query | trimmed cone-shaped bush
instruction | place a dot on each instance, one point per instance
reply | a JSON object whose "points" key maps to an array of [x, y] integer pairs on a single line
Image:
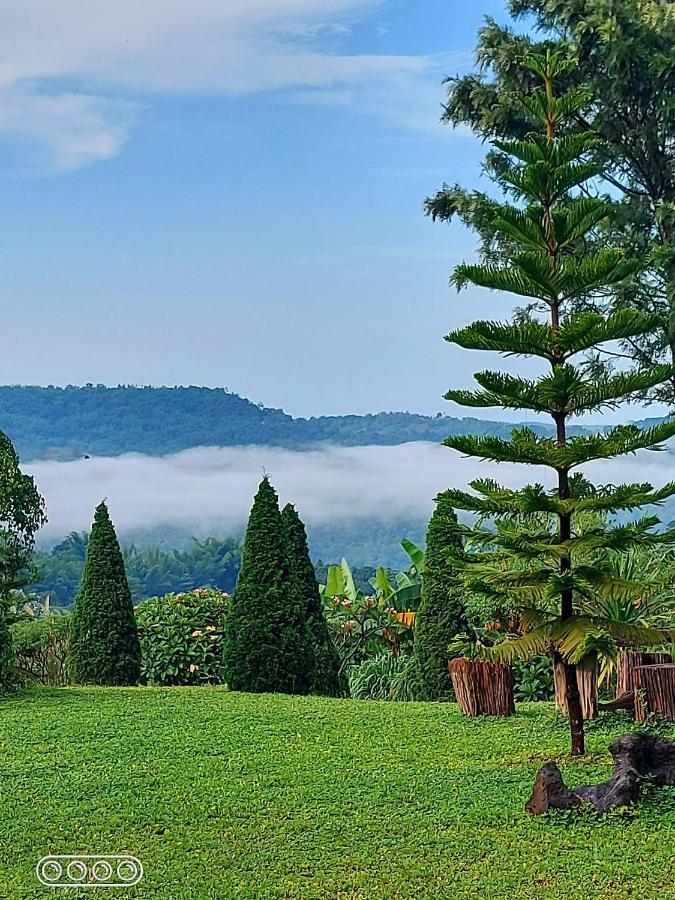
{"points": [[326, 678], [104, 646], [441, 614], [268, 647]]}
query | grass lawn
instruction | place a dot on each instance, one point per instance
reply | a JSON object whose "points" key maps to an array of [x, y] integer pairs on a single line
{"points": [[227, 795]]}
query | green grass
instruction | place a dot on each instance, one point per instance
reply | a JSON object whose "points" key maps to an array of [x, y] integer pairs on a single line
{"points": [[226, 795]]}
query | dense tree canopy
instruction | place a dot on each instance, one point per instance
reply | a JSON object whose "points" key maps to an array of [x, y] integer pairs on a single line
{"points": [[152, 571], [72, 422], [22, 513], [155, 570], [326, 679]]}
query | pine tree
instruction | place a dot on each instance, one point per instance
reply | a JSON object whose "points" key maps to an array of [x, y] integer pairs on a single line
{"points": [[631, 76], [554, 264], [441, 615], [326, 679], [268, 646], [104, 646]]}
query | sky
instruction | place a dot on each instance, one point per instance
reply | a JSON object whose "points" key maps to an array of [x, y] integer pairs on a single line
{"points": [[229, 193]]}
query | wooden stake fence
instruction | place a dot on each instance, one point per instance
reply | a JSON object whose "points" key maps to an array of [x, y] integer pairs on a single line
{"points": [[654, 691], [482, 688], [627, 661]]}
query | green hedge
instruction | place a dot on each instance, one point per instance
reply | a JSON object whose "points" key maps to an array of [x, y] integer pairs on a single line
{"points": [[181, 638]]}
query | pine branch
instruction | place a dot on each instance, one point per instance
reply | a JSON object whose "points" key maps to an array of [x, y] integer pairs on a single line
{"points": [[607, 393], [623, 497], [493, 500], [529, 275], [498, 278], [536, 149], [580, 332], [596, 270], [527, 448], [584, 330], [530, 500], [528, 338]]}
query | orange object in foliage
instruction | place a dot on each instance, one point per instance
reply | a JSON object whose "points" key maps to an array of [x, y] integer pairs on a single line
{"points": [[407, 618]]}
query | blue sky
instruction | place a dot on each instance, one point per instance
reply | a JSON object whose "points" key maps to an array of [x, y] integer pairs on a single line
{"points": [[229, 193]]}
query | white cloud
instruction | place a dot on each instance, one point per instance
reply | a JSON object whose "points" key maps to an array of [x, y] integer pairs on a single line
{"points": [[107, 51], [73, 129], [209, 489], [409, 94]]}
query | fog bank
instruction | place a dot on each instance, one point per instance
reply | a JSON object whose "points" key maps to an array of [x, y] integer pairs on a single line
{"points": [[210, 488]]}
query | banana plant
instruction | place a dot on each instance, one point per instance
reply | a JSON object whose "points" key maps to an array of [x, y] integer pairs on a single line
{"points": [[405, 593], [416, 555], [340, 583], [361, 626]]}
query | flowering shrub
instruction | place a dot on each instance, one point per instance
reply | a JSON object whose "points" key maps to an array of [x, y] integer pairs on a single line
{"points": [[181, 637]]}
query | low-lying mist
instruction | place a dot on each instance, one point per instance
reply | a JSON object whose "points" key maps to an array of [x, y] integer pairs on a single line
{"points": [[209, 489]]}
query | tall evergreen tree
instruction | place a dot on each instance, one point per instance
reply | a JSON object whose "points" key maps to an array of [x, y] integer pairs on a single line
{"points": [[441, 615], [268, 647], [623, 54], [104, 646], [554, 264], [326, 678]]}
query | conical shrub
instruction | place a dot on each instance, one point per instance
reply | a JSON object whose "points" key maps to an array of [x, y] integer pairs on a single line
{"points": [[268, 647], [326, 679], [441, 614], [104, 646]]}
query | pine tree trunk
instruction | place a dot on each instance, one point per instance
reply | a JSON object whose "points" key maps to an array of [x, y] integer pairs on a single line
{"points": [[654, 691], [626, 662], [568, 699], [570, 678], [574, 710], [482, 688], [587, 685]]}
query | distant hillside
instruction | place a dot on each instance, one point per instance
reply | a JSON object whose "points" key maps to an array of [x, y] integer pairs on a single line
{"points": [[67, 423]]}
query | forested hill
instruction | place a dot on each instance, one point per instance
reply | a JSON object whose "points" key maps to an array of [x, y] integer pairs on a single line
{"points": [[70, 422]]}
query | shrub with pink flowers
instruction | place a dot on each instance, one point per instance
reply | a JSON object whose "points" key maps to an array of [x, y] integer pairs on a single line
{"points": [[181, 637]]}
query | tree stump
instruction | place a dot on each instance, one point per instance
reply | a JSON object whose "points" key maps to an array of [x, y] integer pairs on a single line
{"points": [[482, 688], [587, 680], [654, 691], [636, 757], [626, 662]]}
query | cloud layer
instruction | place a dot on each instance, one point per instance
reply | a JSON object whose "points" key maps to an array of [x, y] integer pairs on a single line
{"points": [[210, 489], [72, 71]]}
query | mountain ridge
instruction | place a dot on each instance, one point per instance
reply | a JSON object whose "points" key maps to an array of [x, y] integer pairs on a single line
{"points": [[66, 423]]}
